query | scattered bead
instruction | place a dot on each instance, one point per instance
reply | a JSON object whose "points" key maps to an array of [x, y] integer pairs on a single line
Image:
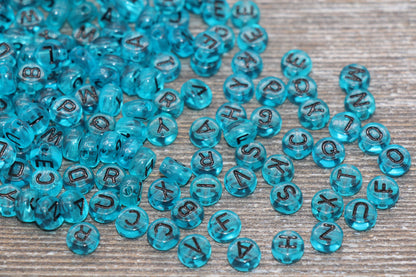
{"points": [[8, 196], [229, 113], [244, 254], [383, 192], [297, 143], [238, 88], [328, 153], [240, 132], [286, 198], [247, 62], [175, 171], [271, 91], [142, 164], [48, 214], [354, 76], [168, 64], [240, 181], [207, 161], [361, 103], [25, 204], [187, 213], [253, 37], [215, 12], [206, 189], [131, 191], [109, 177], [394, 160], [162, 130], [224, 226], [327, 205], [169, 101], [194, 251], [287, 247], [163, 234], [78, 177], [313, 114], [277, 169], [245, 13], [132, 222], [252, 155], [296, 63], [18, 174], [66, 111], [360, 215], [7, 153], [83, 238], [104, 206], [73, 206], [346, 180], [267, 120], [326, 237], [373, 138], [226, 34], [163, 194], [205, 132], [196, 94], [345, 127], [47, 181]]}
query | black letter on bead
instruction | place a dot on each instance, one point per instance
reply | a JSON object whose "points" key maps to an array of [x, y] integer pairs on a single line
{"points": [[222, 223], [113, 176], [72, 106], [287, 238], [197, 248], [257, 149], [162, 126], [247, 59], [169, 98], [6, 50], [354, 211], [156, 229], [241, 138], [98, 121], [392, 159], [107, 15], [84, 174], [383, 188], [164, 190], [19, 172], [40, 163], [312, 108], [81, 33], [327, 201], [291, 142], [254, 37], [352, 76], [106, 207], [287, 190], [84, 234], [204, 159], [50, 53], [148, 168], [297, 88], [265, 113], [370, 135], [295, 61], [205, 128], [350, 121], [205, 185], [31, 72], [202, 89], [170, 60], [84, 93], [10, 136], [237, 176], [331, 228], [230, 115], [9, 195], [136, 220], [80, 204], [3, 105], [209, 39], [277, 165], [334, 149], [187, 208], [50, 181], [340, 174], [241, 247], [3, 147], [55, 209], [360, 96], [270, 85], [237, 83]]}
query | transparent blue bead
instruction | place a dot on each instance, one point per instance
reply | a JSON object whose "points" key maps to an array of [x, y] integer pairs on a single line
{"points": [[170, 6], [182, 42], [205, 132], [226, 34], [78, 177], [208, 47], [296, 63], [229, 113], [18, 174], [346, 180], [45, 155], [70, 142], [150, 82], [18, 132], [47, 181], [73, 206], [37, 117], [158, 35], [127, 152], [8, 83], [83, 238], [194, 251], [168, 64], [109, 14], [116, 30], [86, 33], [247, 62], [8, 196], [48, 213], [175, 171], [297, 143], [129, 10], [142, 163], [31, 77], [328, 153], [7, 54], [100, 123], [277, 169], [47, 96], [110, 100], [245, 13], [373, 138], [187, 213], [7, 153], [17, 37], [129, 127], [194, 6], [6, 105], [244, 254], [206, 189], [83, 57], [25, 205], [7, 17], [240, 132], [140, 109], [132, 222], [360, 214], [169, 101], [104, 206], [51, 54], [301, 89], [361, 103], [66, 111], [130, 191], [286, 198], [253, 37], [88, 150], [271, 91], [327, 205], [49, 33], [224, 226], [109, 146], [267, 120], [394, 161], [30, 19], [288, 247], [215, 12], [252, 155], [58, 14], [162, 130], [205, 69], [313, 114], [240, 181], [207, 161], [354, 76], [196, 94], [129, 78], [136, 46], [82, 13], [147, 18], [238, 88], [326, 237], [163, 234], [383, 192], [109, 177], [98, 48], [345, 127], [71, 78], [163, 194]]}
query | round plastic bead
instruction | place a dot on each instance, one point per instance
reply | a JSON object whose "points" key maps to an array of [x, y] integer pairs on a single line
{"points": [[8, 196], [346, 180], [361, 103], [47, 213], [240, 181], [47, 181], [187, 213], [271, 91], [142, 163], [37, 117], [215, 12], [140, 109], [240, 132], [150, 81], [46, 155], [182, 42], [131, 191], [168, 64], [301, 89], [7, 153], [267, 120], [25, 205], [206, 189], [345, 127], [286, 198], [196, 94], [288, 247], [135, 46], [224, 226], [354, 76], [132, 222], [78, 177], [110, 100], [109, 146], [252, 155], [73, 206], [194, 251], [207, 161], [109, 177], [208, 47], [373, 138], [163, 234], [163, 194], [253, 37], [66, 111], [244, 254], [162, 130], [88, 150], [327, 205], [326, 237], [247, 62], [18, 174], [104, 206], [277, 169], [175, 171], [205, 132], [394, 161], [229, 113], [238, 88], [360, 215], [296, 63], [100, 123], [83, 238], [18, 132], [51, 54], [129, 127], [383, 192], [297, 143], [226, 34], [177, 20], [245, 13], [169, 101], [313, 114], [328, 153]]}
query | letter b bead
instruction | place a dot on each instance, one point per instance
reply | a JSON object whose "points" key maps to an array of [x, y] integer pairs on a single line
{"points": [[187, 213]]}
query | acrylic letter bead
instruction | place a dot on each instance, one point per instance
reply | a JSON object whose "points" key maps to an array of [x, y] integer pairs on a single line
{"points": [[313, 114], [142, 163], [162, 130], [297, 143], [79, 177], [301, 89], [175, 171], [286, 198], [182, 42], [296, 63], [252, 155], [130, 191], [328, 153], [140, 109], [48, 214], [168, 64], [47, 181], [240, 181], [150, 82], [215, 12], [194, 251], [208, 47], [7, 153], [360, 215], [244, 254], [163, 234], [8, 196], [267, 120], [46, 155], [238, 88], [132, 222], [169, 101], [394, 161], [18, 174], [229, 113], [224, 226], [326, 237], [163, 194], [135, 46], [104, 206], [100, 123], [196, 94], [373, 138], [205, 69], [66, 111], [83, 238], [18, 132], [278, 168], [205, 132], [245, 13], [253, 37], [361, 103], [247, 62], [37, 117], [207, 161], [88, 150], [287, 247], [327, 205], [354, 76], [383, 192], [345, 127], [109, 177], [240, 132], [346, 180], [206, 189], [87, 95], [110, 100], [187, 213], [226, 34], [25, 205], [73, 206], [109, 146], [271, 91]]}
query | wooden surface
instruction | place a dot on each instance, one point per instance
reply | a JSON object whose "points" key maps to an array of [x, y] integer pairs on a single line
{"points": [[380, 34]]}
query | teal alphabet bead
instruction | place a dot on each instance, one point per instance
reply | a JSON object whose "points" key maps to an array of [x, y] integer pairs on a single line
{"points": [[360, 215], [187, 213], [6, 104], [129, 77], [129, 127], [267, 120], [277, 169], [158, 35], [215, 12], [131, 191], [18, 132], [244, 254], [345, 127], [327, 205], [383, 192], [346, 180], [48, 215], [89, 150], [194, 251], [84, 12], [205, 132], [196, 94], [206, 189], [361, 103], [238, 88], [163, 234], [104, 206], [208, 47], [224, 226], [47, 181], [100, 123], [328, 153], [354, 76], [66, 111], [313, 114], [163, 194], [229, 113], [226, 34], [46, 155], [207, 161], [127, 152], [7, 153], [373, 138], [194, 6], [109, 177], [37, 117], [162, 130], [73, 206], [182, 42], [141, 109], [175, 171], [252, 155], [240, 181], [135, 46], [326, 237], [177, 20], [8, 17], [245, 13], [130, 11], [143, 163], [169, 7], [71, 77], [150, 82], [51, 54], [169, 101], [8, 196], [110, 100], [132, 222], [296, 63], [205, 69], [253, 37], [271, 91], [286, 198], [240, 132], [79, 177], [394, 160], [25, 204], [29, 18], [247, 62], [168, 64], [297, 143], [109, 146], [8, 83], [83, 238], [287, 247]]}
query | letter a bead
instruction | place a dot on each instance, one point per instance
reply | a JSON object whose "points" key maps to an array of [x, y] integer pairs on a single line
{"points": [[244, 254], [194, 251], [360, 215], [187, 213], [224, 226], [288, 247], [328, 153], [163, 234], [83, 238], [373, 138], [326, 237], [394, 161]]}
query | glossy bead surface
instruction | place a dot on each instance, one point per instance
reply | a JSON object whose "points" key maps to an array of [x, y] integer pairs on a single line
{"points": [[240, 181], [175, 171], [168, 64], [135, 46], [73, 206], [109, 177], [361, 103], [66, 111], [354, 76], [25, 204], [47, 181], [78, 177], [297, 143], [313, 114], [238, 88], [244, 254], [151, 81], [7, 153], [215, 12], [169, 101], [245, 13], [100, 123], [162, 130], [326, 237], [226, 34], [360, 215], [296, 63], [345, 127], [205, 132], [229, 113], [18, 174], [45, 155], [163, 234], [286, 198], [164, 61], [140, 109], [129, 127], [207, 161], [301, 89], [88, 150], [287, 247], [224, 226], [240, 132], [187, 213], [47, 213], [383, 192], [110, 99], [83, 238], [373, 138], [127, 152], [132, 222], [328, 153], [194, 251], [206, 189], [196, 94], [394, 161], [208, 47], [130, 191], [346, 180], [143, 162], [18, 132], [252, 155], [205, 69], [169, 7], [109, 146], [327, 205], [267, 120], [104, 206], [271, 91], [253, 37], [247, 62], [182, 42], [8, 196], [278, 168], [163, 194]]}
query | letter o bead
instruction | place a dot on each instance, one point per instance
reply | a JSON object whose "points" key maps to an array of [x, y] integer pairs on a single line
{"points": [[244, 254], [360, 215], [187, 213], [383, 192], [286, 198], [224, 226], [288, 247], [328, 153], [326, 237], [394, 161], [132, 222], [83, 238], [163, 234], [373, 138], [194, 251]]}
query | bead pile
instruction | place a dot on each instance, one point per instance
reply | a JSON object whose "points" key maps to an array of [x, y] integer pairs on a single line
{"points": [[61, 97]]}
